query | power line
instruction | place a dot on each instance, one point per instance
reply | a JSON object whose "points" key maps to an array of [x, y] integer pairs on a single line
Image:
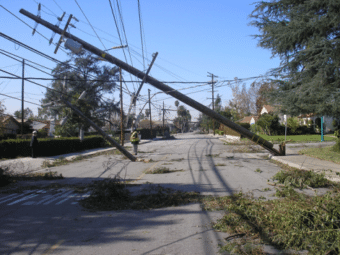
{"points": [[19, 99], [43, 54], [90, 24], [141, 33], [26, 24], [25, 59], [53, 14], [26, 64], [120, 38], [58, 5]]}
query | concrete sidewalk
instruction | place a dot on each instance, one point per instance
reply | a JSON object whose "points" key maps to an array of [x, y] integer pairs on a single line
{"points": [[294, 159], [28, 164]]}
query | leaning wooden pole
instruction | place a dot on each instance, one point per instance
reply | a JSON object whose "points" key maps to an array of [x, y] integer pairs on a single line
{"points": [[122, 135], [160, 85], [100, 131]]}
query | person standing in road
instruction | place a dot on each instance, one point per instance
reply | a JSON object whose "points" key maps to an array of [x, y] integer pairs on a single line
{"points": [[134, 139], [34, 144]]}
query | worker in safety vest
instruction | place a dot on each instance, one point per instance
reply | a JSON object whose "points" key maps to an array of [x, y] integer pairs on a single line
{"points": [[134, 139]]}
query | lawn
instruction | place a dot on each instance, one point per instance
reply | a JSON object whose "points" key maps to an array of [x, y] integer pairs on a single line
{"points": [[297, 138], [324, 153]]}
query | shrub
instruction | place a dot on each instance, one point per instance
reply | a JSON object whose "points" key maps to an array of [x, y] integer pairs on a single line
{"points": [[337, 133], [318, 122], [49, 147], [293, 124], [269, 124], [8, 136], [42, 133], [336, 147]]}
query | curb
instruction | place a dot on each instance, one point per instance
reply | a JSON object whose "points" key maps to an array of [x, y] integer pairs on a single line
{"points": [[276, 158]]}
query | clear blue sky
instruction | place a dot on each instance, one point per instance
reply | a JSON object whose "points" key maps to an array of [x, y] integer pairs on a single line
{"points": [[192, 37]]}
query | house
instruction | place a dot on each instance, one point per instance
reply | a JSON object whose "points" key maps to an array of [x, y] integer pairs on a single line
{"points": [[9, 125], [249, 119], [47, 125], [275, 110], [304, 118], [267, 109], [328, 121]]}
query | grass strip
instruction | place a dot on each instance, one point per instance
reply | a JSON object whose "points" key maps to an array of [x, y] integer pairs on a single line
{"points": [[324, 153], [296, 138]]}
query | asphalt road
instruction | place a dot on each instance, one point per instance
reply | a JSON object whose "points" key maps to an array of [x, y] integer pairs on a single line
{"points": [[50, 221]]}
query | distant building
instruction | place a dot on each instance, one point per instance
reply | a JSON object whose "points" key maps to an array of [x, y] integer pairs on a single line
{"points": [[9, 125], [275, 110], [249, 119]]}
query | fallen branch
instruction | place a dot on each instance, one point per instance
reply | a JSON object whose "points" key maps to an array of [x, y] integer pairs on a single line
{"points": [[236, 235]]}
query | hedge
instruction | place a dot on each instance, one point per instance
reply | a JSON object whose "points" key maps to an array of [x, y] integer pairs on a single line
{"points": [[13, 148]]}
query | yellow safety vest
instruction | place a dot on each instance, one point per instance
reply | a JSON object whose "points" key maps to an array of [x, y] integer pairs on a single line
{"points": [[134, 137]]}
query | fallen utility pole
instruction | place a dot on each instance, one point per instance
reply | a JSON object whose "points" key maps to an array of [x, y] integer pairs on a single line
{"points": [[106, 136], [161, 86]]}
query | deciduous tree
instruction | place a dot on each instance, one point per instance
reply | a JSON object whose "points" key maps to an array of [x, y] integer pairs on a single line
{"points": [[27, 113]]}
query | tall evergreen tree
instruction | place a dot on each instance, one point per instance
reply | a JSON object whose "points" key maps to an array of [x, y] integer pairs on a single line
{"points": [[305, 35], [88, 74]]}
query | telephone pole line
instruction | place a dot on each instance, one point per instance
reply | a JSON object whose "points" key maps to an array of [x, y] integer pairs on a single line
{"points": [[161, 86], [122, 135], [213, 100], [163, 117], [22, 96], [150, 114]]}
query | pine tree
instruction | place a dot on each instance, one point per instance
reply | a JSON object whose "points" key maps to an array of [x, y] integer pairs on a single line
{"points": [[306, 36], [89, 75]]}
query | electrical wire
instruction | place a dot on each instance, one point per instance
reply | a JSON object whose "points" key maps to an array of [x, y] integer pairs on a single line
{"points": [[90, 24], [58, 5], [19, 99], [120, 39], [51, 12], [141, 33], [31, 27], [26, 59]]}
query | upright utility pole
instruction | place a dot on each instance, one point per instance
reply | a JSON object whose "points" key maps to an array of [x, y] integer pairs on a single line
{"points": [[121, 108], [213, 100], [22, 96], [161, 86], [150, 114], [163, 117]]}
